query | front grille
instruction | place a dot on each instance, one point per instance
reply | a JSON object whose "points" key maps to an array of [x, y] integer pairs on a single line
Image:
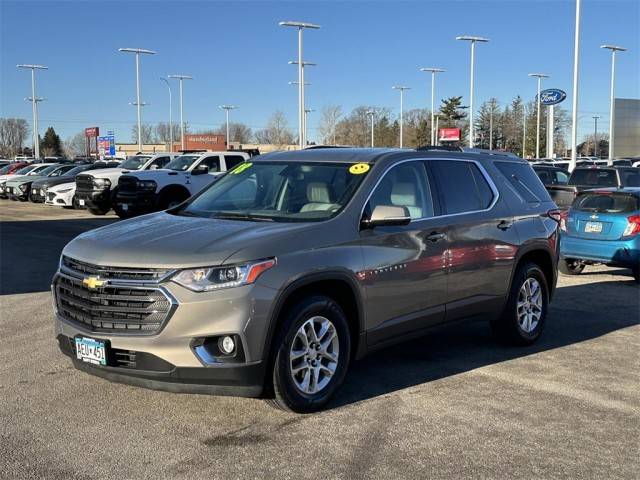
{"points": [[119, 273], [84, 183], [124, 358], [112, 308], [51, 196], [127, 184]]}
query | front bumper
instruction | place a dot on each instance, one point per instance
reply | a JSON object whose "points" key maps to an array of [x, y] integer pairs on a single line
{"points": [[94, 198], [611, 252], [138, 202], [60, 199], [166, 359], [14, 193], [38, 195]]}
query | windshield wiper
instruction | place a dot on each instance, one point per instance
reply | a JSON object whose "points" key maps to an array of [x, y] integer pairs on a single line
{"points": [[241, 216]]}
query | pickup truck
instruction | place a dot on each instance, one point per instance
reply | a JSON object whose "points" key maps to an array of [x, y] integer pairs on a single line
{"points": [[152, 191], [588, 178], [96, 190]]}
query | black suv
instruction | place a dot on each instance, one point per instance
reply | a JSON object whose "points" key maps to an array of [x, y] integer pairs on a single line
{"points": [[273, 279]]}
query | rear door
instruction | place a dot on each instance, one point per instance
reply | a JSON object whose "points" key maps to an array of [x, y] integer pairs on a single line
{"points": [[481, 240], [601, 215]]}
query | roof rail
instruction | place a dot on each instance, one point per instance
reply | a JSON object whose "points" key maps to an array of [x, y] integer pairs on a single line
{"points": [[489, 152], [446, 148]]}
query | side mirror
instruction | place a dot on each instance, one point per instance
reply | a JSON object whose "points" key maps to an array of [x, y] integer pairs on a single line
{"points": [[200, 170], [153, 167], [387, 216]]}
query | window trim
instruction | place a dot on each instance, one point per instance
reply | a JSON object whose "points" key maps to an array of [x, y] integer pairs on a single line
{"points": [[483, 171]]}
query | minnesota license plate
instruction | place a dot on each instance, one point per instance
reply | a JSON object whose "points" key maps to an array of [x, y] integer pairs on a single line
{"points": [[91, 351], [593, 227], [81, 202]]}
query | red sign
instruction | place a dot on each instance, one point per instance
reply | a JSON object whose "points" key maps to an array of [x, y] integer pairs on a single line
{"points": [[92, 132], [449, 134]]}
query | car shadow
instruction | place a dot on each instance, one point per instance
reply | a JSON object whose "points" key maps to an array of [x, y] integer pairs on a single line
{"points": [[464, 346], [30, 250]]}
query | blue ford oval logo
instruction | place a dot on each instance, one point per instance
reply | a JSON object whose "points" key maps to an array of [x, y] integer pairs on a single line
{"points": [[552, 96]]}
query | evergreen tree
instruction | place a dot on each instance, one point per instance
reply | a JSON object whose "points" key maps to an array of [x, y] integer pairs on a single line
{"points": [[51, 145]]}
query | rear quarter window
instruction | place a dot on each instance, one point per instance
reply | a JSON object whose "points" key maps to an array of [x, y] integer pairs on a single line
{"points": [[461, 186], [594, 177], [524, 181]]}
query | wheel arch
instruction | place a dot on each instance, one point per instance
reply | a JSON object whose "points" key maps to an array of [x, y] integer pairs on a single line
{"points": [[544, 258], [172, 189]]}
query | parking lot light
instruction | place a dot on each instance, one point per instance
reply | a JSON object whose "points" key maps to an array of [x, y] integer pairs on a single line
{"points": [[574, 106], [300, 26], [402, 89], [433, 91], [539, 76], [170, 113], [613, 49], [34, 106], [227, 108], [472, 40], [138, 103], [371, 114], [181, 78], [304, 84]]}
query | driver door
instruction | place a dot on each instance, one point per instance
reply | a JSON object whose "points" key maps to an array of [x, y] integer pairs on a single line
{"points": [[198, 182]]}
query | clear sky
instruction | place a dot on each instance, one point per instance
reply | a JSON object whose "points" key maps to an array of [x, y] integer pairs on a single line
{"points": [[238, 55]]}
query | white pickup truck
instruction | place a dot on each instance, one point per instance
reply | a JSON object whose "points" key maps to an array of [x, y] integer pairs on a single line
{"points": [[96, 190], [151, 191]]}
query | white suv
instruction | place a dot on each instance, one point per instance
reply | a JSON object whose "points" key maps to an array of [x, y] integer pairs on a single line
{"points": [[150, 191]]}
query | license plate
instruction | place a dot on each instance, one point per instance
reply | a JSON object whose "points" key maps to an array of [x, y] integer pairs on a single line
{"points": [[593, 227], [81, 202], [125, 206], [91, 351]]}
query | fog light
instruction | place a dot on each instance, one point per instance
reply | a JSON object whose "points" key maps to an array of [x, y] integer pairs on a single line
{"points": [[227, 345]]}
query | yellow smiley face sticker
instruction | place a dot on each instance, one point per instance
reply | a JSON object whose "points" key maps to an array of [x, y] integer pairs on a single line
{"points": [[359, 168], [242, 167]]}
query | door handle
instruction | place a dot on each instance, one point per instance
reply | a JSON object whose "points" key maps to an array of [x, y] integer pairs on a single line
{"points": [[505, 224], [435, 236]]}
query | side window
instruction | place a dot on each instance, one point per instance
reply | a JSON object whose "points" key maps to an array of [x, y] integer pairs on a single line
{"points": [[212, 162], [233, 160], [545, 176], [405, 186], [160, 162], [461, 186], [561, 178], [524, 181], [630, 178]]}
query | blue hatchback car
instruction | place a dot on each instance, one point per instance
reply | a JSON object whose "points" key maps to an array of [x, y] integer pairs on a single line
{"points": [[602, 226]]}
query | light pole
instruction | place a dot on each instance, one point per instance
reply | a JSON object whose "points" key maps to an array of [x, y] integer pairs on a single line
{"points": [[493, 107], [36, 100], [473, 41], [34, 107], [371, 114], [524, 131], [307, 111], [437, 124], [433, 72], [402, 89], [138, 103], [539, 76], [574, 107], [181, 78], [300, 26], [227, 108], [170, 113], [304, 84], [595, 134], [613, 49]]}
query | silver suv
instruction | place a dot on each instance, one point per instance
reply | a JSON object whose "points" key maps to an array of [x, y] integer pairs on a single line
{"points": [[271, 281]]}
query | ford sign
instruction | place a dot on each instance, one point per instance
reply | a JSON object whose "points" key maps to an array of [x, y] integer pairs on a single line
{"points": [[552, 96]]}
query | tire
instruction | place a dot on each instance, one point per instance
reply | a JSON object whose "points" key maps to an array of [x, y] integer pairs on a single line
{"points": [[99, 210], [570, 266], [75, 204], [514, 326], [288, 391], [121, 213], [171, 199]]}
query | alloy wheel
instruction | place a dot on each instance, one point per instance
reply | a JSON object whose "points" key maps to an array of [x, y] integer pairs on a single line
{"points": [[529, 306]]}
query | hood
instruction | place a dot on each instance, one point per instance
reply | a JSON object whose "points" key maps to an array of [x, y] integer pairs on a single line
{"points": [[110, 173], [160, 173], [161, 240], [61, 186], [52, 181], [20, 179]]}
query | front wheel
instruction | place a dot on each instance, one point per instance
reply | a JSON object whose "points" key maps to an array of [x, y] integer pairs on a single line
{"points": [[312, 356], [570, 266], [524, 316]]}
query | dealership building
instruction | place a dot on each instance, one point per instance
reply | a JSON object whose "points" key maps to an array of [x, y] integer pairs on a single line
{"points": [[627, 127]]}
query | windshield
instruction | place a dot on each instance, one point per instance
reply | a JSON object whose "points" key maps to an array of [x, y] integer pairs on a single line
{"points": [[76, 170], [44, 171], [25, 170], [279, 191], [597, 177], [181, 163], [606, 202], [5, 169], [134, 163]]}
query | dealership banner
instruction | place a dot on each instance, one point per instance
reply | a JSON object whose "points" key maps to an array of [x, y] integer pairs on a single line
{"points": [[449, 134]]}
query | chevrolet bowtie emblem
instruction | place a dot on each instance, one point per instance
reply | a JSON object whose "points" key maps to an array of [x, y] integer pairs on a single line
{"points": [[93, 282]]}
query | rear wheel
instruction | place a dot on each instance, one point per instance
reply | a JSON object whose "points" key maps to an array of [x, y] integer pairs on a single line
{"points": [[171, 198], [312, 356], [525, 313], [570, 266]]}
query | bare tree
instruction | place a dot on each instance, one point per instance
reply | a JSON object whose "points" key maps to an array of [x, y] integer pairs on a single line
{"points": [[277, 131], [328, 121], [238, 132], [161, 131], [76, 145], [147, 133], [13, 132]]}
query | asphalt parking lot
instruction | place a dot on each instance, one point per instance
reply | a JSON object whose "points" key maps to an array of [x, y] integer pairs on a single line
{"points": [[454, 404]]}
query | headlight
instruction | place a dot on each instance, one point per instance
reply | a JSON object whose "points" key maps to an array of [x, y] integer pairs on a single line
{"points": [[102, 182], [146, 184], [3, 186], [215, 278], [65, 190], [23, 187]]}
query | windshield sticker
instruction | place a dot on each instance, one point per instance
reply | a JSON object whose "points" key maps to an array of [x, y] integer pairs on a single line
{"points": [[359, 168], [241, 168]]}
